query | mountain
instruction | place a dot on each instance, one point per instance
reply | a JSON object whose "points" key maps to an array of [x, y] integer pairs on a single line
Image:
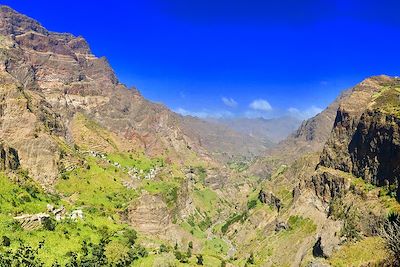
{"points": [[93, 174], [239, 139], [268, 130], [59, 73], [312, 134], [340, 176], [224, 142]]}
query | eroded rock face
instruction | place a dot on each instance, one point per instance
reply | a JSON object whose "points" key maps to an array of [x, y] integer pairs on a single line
{"points": [[368, 147], [365, 141], [375, 149], [342, 132], [327, 186], [270, 199], [328, 240], [47, 78], [150, 215], [71, 79], [9, 159], [26, 125]]}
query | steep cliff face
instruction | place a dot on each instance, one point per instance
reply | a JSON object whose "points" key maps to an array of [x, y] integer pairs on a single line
{"points": [[9, 159], [365, 137], [49, 78], [375, 149], [313, 133], [31, 127]]}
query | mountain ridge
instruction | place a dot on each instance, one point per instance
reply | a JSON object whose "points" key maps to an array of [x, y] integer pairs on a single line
{"points": [[86, 162]]}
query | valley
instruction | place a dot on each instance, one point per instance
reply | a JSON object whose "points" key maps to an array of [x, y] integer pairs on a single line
{"points": [[94, 174]]}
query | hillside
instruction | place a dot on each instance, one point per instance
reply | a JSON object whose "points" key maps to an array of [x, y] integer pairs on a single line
{"points": [[93, 174], [336, 180]]}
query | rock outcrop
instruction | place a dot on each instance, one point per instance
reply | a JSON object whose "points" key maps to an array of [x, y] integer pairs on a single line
{"points": [[49, 79], [328, 240], [365, 140], [270, 199], [327, 185], [31, 222], [9, 159], [150, 215]]}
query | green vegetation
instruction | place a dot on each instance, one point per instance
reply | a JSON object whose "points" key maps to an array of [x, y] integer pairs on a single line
{"points": [[233, 219], [167, 189], [239, 166], [205, 199], [94, 186], [369, 251], [279, 248], [349, 214], [97, 186], [57, 241], [388, 100], [136, 160], [22, 196], [215, 246], [281, 170]]}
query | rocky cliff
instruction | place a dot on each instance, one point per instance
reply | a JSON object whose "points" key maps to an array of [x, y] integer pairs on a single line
{"points": [[365, 137], [50, 81]]}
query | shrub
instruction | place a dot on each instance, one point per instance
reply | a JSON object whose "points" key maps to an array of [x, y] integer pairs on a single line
{"points": [[49, 224], [250, 260], [350, 217], [181, 257], [163, 248], [131, 236], [199, 259], [252, 204], [6, 241], [390, 232]]}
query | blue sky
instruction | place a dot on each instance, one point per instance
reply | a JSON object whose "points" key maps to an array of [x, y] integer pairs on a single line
{"points": [[234, 58]]}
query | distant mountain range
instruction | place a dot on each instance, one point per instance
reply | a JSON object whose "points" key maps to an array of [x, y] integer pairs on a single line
{"points": [[86, 162], [235, 138], [268, 130]]}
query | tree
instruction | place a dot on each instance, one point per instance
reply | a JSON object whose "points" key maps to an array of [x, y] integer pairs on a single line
{"points": [[199, 259], [189, 250], [163, 248], [250, 260], [131, 235], [6, 241], [49, 224], [22, 256], [181, 257]]}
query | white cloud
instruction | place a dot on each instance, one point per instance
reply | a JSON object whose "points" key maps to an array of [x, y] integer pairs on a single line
{"points": [[306, 113], [230, 102], [205, 113], [261, 105]]}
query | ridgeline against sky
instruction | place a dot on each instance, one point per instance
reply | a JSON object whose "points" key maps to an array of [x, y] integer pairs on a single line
{"points": [[234, 58]]}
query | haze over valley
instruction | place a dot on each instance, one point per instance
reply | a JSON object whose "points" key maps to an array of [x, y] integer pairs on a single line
{"points": [[228, 156]]}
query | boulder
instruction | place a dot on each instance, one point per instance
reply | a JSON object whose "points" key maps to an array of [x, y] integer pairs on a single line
{"points": [[279, 226], [328, 240], [270, 199], [9, 159]]}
